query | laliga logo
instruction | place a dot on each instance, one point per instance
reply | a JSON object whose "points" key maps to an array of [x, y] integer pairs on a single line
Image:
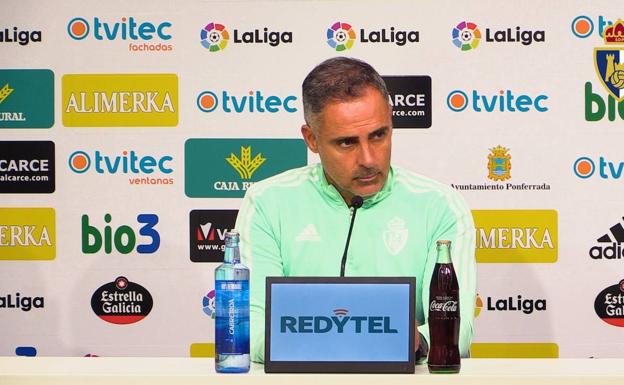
{"points": [[340, 36], [466, 36], [215, 37], [78, 28]]}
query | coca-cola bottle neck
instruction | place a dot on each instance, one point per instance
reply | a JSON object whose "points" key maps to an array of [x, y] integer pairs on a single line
{"points": [[444, 252]]}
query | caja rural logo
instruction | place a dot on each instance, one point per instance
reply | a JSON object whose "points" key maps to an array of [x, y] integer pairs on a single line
{"points": [[138, 33], [121, 302], [341, 36], [609, 65], [466, 35], [215, 37], [609, 304]]}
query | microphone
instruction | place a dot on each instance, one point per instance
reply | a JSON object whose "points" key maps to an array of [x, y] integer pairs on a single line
{"points": [[356, 203]]}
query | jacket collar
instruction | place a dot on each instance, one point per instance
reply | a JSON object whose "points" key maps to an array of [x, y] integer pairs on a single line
{"points": [[330, 192]]}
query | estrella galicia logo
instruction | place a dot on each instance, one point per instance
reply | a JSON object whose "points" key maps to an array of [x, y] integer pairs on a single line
{"points": [[208, 304], [609, 305], [121, 302], [609, 245], [410, 97], [27, 167], [127, 29], [207, 235], [254, 101], [340, 320]]}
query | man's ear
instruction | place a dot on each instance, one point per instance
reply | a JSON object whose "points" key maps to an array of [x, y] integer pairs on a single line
{"points": [[310, 138]]}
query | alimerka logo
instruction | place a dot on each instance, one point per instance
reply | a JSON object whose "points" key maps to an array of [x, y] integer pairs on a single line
{"points": [[340, 321], [120, 100], [516, 236], [121, 302], [27, 234]]}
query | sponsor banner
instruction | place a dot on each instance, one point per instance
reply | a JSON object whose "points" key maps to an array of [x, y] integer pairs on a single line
{"points": [[120, 100], [609, 245], [207, 233], [27, 234], [26, 98], [516, 303], [215, 36], [609, 304], [514, 350], [516, 236], [21, 301], [204, 350], [254, 102], [584, 26], [208, 304], [19, 36], [123, 239], [342, 36], [226, 168], [410, 97], [121, 302], [502, 102], [27, 167], [467, 35]]}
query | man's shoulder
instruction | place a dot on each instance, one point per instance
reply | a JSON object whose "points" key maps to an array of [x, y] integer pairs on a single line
{"points": [[286, 182], [419, 184]]}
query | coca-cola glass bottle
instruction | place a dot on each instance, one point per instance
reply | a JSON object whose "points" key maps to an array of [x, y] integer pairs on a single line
{"points": [[444, 314]]}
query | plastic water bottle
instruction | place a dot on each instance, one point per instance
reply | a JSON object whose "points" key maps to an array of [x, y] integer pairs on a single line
{"points": [[232, 308]]}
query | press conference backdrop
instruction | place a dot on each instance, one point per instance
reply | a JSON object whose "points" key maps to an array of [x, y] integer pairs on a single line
{"points": [[131, 130]]}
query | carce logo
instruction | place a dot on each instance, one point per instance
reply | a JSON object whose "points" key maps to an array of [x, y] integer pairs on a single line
{"points": [[121, 100], [27, 167], [138, 33], [609, 305], [207, 233], [27, 234], [255, 101], [410, 97], [26, 98], [226, 168], [341, 36], [516, 236], [215, 37], [505, 101], [610, 245], [123, 238], [121, 302]]}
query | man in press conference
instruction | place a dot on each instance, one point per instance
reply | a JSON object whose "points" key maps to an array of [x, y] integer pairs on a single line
{"points": [[296, 223]]}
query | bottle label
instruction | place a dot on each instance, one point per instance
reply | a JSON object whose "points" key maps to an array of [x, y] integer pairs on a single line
{"points": [[443, 304], [232, 317]]}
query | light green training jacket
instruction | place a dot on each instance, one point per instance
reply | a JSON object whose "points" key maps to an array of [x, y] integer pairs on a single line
{"points": [[296, 224]]}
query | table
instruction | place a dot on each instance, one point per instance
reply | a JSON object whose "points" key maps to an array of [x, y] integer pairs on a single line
{"points": [[183, 371]]}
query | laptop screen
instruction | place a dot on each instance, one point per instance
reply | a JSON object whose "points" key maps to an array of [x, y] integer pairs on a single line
{"points": [[340, 324]]}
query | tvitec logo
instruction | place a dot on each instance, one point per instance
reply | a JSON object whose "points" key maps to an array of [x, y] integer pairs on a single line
{"points": [[584, 167], [139, 33], [583, 26], [341, 36], [123, 238], [127, 163], [254, 101], [504, 101], [215, 37], [466, 35], [340, 321]]}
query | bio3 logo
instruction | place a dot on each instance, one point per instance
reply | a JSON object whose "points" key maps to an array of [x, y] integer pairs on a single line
{"points": [[504, 101], [123, 238], [254, 101]]}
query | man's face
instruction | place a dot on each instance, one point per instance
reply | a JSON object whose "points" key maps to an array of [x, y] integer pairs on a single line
{"points": [[353, 140]]}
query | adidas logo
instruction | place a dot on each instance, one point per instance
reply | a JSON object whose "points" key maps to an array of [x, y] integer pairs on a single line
{"points": [[614, 251], [309, 233]]}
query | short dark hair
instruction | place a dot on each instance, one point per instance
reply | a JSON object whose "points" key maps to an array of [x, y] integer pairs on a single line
{"points": [[335, 80]]}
